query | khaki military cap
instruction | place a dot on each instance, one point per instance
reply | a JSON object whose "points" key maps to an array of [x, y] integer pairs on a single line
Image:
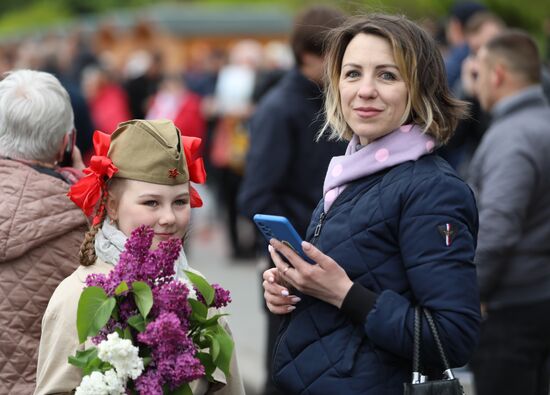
{"points": [[150, 151]]}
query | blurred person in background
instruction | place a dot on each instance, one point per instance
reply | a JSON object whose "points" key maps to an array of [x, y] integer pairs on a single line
{"points": [[40, 228], [233, 99], [202, 80], [285, 166], [142, 77], [106, 99], [174, 101], [278, 59], [461, 12], [509, 173], [457, 151], [57, 59], [481, 27], [479, 31]]}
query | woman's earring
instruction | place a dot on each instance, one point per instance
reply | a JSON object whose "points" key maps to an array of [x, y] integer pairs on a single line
{"points": [[111, 221]]}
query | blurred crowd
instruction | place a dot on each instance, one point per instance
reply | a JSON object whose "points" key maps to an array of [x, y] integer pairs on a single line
{"points": [[215, 96], [211, 98]]}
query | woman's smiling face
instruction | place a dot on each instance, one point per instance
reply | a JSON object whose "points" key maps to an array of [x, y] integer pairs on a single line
{"points": [[373, 94]]}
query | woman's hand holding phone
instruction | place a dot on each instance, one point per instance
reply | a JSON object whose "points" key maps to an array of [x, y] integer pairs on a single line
{"points": [[324, 280], [277, 294]]}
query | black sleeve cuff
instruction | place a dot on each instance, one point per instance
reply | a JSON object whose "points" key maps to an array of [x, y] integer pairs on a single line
{"points": [[358, 303]]}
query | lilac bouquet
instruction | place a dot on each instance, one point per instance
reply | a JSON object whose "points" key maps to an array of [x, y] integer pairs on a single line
{"points": [[153, 334]]}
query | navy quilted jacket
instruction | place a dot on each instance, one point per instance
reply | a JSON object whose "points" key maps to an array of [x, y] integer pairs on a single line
{"points": [[387, 231]]}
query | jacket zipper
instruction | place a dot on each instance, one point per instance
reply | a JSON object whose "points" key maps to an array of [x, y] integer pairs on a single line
{"points": [[318, 228]]}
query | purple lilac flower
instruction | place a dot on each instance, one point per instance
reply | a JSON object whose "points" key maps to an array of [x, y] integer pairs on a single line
{"points": [[127, 308], [98, 280], [166, 255], [138, 263], [149, 383], [172, 297], [165, 334], [172, 350], [222, 297], [139, 242], [109, 328], [179, 369]]}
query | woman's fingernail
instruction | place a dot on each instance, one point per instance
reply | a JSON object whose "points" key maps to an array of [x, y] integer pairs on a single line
{"points": [[284, 292], [290, 308], [270, 248], [295, 299], [270, 279], [306, 245]]}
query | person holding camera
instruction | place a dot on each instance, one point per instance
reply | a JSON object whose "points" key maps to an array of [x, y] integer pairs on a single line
{"points": [[40, 228], [396, 228]]}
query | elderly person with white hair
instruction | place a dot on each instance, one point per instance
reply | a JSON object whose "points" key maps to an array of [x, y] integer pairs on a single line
{"points": [[40, 228]]}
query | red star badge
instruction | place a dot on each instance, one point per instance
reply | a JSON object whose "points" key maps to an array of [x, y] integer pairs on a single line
{"points": [[173, 173]]}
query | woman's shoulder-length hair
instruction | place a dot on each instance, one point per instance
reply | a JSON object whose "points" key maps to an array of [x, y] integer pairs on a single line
{"points": [[430, 103]]}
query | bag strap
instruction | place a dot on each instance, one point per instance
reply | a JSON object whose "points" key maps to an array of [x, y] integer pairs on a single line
{"points": [[435, 333], [417, 375]]}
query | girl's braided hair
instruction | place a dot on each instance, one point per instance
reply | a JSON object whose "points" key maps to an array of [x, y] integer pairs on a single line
{"points": [[87, 254]]}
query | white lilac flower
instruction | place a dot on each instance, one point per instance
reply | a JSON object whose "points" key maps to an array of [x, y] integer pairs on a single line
{"points": [[122, 355], [92, 384], [114, 384]]}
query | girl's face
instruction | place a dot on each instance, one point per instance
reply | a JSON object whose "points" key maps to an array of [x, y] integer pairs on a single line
{"points": [[165, 208], [373, 94]]}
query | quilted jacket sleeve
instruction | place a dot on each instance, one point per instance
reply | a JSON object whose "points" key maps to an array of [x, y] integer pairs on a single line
{"points": [[437, 236]]}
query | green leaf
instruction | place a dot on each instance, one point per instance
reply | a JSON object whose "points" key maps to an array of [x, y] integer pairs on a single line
{"points": [[146, 361], [223, 360], [199, 310], [183, 390], [214, 348], [96, 365], [213, 320], [81, 359], [127, 334], [143, 297], [94, 310], [137, 322], [202, 285], [207, 362], [122, 287]]}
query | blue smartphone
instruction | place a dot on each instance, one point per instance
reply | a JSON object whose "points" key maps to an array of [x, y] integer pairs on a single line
{"points": [[280, 228]]}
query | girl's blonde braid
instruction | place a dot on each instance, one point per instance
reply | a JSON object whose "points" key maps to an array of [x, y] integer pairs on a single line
{"points": [[87, 255]]}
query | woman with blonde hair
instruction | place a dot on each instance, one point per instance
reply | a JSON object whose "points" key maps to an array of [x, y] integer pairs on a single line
{"points": [[396, 227]]}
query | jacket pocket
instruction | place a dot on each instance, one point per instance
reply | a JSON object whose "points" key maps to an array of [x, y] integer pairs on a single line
{"points": [[354, 345]]}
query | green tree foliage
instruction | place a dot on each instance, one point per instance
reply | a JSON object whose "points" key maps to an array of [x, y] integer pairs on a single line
{"points": [[20, 15]]}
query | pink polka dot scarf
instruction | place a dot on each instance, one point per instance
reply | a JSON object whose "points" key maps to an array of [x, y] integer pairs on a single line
{"points": [[403, 144]]}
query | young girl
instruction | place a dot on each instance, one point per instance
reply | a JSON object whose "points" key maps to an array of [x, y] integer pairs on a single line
{"points": [[149, 169]]}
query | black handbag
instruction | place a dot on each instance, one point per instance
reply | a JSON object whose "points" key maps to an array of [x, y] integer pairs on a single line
{"points": [[449, 385]]}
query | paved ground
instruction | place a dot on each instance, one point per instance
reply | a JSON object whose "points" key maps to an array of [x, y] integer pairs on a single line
{"points": [[210, 255]]}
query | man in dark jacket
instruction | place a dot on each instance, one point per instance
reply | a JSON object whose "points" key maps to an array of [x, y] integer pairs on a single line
{"points": [[286, 166], [509, 172]]}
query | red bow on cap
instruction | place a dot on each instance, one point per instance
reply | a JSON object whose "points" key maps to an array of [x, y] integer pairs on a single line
{"points": [[87, 192], [195, 166]]}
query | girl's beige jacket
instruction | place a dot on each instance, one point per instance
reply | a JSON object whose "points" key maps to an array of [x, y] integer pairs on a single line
{"points": [[60, 340]]}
